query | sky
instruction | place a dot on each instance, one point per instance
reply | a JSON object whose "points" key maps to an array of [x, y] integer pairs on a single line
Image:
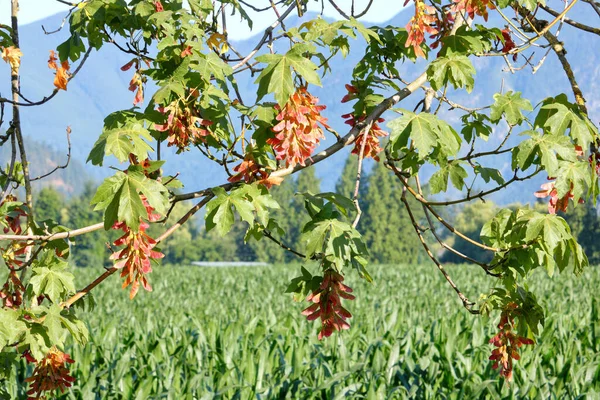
{"points": [[381, 11]]}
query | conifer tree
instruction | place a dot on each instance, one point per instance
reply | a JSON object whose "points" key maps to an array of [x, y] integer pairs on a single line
{"points": [[49, 203], [347, 182], [385, 222]]}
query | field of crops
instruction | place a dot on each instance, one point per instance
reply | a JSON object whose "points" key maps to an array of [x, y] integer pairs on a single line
{"points": [[232, 333]]}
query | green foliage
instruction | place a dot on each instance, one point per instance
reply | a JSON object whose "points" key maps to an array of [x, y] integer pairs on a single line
{"points": [[510, 105], [118, 196], [426, 132], [454, 69]]}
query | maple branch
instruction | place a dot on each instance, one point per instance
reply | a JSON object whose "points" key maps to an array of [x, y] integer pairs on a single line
{"points": [[466, 303], [54, 236], [16, 115], [366, 10], [595, 6], [112, 270], [29, 103], [339, 10], [426, 211], [267, 34], [66, 164], [268, 235], [569, 21], [358, 175]]}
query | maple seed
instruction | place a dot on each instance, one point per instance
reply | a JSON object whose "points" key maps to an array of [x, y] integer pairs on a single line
{"points": [[298, 132], [507, 343], [134, 258], [423, 21], [184, 124], [328, 304], [555, 203], [50, 373], [249, 171]]}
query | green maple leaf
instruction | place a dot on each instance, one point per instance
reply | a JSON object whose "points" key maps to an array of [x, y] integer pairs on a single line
{"points": [[53, 324], [210, 65], [426, 132], [550, 228], [123, 134], [545, 150], [276, 78], [562, 117], [119, 197], [489, 174], [11, 328], [574, 177], [453, 171], [51, 278], [510, 105], [454, 69]]}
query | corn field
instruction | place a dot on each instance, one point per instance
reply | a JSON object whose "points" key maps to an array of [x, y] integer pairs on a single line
{"points": [[232, 333]]}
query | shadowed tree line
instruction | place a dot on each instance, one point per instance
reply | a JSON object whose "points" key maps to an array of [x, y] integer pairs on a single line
{"points": [[384, 223]]}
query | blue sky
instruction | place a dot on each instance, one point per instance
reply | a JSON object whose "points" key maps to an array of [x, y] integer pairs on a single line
{"points": [[382, 10]]}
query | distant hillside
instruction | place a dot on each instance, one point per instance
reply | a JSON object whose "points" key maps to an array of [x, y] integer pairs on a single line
{"points": [[101, 88], [44, 157]]}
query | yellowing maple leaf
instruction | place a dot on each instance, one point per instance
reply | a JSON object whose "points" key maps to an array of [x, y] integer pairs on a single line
{"points": [[218, 42], [62, 73], [12, 55]]}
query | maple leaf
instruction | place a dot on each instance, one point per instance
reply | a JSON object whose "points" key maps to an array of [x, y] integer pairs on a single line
{"points": [[61, 78], [50, 373], [327, 304], [298, 133], [218, 42], [12, 55], [422, 22]]}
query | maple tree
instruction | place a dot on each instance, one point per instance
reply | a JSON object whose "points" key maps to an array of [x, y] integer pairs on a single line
{"points": [[184, 80]]}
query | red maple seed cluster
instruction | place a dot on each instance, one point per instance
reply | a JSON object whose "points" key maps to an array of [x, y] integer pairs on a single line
{"points": [[13, 255], [555, 203], [561, 203], [372, 146], [50, 373], [298, 132], [473, 7], [135, 257], [507, 343], [136, 84], [250, 171], [184, 124], [328, 304], [509, 44], [424, 21]]}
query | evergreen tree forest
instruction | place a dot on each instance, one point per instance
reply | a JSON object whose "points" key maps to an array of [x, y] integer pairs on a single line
{"points": [[387, 228]]}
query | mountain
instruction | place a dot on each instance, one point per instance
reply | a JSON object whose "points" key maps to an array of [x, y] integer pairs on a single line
{"points": [[46, 157], [101, 88]]}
